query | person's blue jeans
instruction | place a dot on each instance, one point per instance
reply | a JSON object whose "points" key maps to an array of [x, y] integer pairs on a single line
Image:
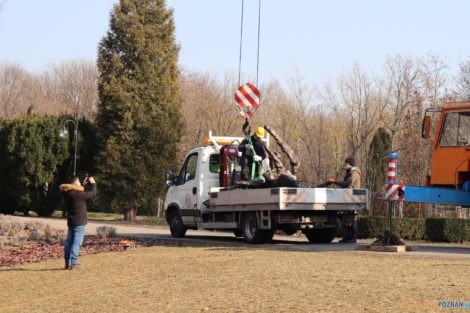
{"points": [[72, 244]]}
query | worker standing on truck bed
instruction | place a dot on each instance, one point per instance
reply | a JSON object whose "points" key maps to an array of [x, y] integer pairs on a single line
{"points": [[253, 149], [352, 179]]}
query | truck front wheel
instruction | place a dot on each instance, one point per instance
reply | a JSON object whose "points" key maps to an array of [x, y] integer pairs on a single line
{"points": [[251, 231], [177, 228], [322, 235]]}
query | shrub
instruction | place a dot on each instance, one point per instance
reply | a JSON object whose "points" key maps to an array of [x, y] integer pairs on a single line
{"points": [[34, 225], [2, 243], [371, 226], [31, 153], [33, 235], [447, 229], [406, 228], [61, 235], [434, 229], [409, 228], [17, 241], [104, 232], [50, 235], [11, 228]]}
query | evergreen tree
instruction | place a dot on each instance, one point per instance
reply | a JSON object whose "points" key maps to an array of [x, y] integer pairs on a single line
{"points": [[377, 170], [139, 114], [31, 153]]}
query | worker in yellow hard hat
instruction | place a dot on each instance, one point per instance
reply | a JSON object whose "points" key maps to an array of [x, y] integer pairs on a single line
{"points": [[260, 132], [253, 149]]}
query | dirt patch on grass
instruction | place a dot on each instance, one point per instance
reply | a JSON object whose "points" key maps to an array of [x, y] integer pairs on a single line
{"points": [[237, 279]]}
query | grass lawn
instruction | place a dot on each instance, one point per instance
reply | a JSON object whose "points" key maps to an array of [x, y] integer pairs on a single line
{"points": [[237, 279]]}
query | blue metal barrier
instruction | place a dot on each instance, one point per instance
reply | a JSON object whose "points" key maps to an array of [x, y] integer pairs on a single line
{"points": [[436, 195]]}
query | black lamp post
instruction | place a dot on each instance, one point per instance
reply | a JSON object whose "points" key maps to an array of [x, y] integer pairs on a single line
{"points": [[64, 132]]}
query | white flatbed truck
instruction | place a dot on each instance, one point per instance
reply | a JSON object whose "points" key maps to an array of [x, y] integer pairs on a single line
{"points": [[203, 195]]}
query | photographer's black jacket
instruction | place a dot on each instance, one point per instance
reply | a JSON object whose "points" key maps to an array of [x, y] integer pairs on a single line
{"points": [[75, 202]]}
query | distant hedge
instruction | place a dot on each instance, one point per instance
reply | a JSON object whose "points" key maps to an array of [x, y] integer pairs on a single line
{"points": [[432, 229], [447, 229]]}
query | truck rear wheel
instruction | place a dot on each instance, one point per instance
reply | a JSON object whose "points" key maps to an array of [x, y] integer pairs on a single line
{"points": [[251, 231], [322, 235], [177, 228]]}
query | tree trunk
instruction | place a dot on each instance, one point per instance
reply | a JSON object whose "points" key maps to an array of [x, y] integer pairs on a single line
{"points": [[130, 214]]}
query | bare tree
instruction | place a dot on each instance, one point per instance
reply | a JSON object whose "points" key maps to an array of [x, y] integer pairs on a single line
{"points": [[17, 90], [338, 132], [434, 80], [357, 105], [74, 84], [415, 152], [207, 105], [400, 86], [463, 80], [2, 4], [310, 127]]}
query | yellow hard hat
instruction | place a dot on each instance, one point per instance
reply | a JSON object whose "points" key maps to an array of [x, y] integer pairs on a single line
{"points": [[260, 132]]}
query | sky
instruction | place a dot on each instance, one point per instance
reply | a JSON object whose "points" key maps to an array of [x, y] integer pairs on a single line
{"points": [[316, 39]]}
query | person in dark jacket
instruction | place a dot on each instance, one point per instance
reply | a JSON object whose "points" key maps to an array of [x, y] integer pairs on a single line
{"points": [[75, 196], [352, 179], [254, 151]]}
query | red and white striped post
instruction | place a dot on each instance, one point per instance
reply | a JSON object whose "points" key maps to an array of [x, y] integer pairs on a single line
{"points": [[391, 174], [392, 193]]}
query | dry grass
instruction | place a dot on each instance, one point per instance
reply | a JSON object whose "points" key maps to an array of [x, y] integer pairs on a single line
{"points": [[237, 279]]}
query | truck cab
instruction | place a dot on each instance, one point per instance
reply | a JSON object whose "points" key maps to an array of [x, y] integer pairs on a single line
{"points": [[199, 175], [450, 165]]}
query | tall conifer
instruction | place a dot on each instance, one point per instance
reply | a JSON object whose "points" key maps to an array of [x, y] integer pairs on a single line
{"points": [[380, 147], [139, 115]]}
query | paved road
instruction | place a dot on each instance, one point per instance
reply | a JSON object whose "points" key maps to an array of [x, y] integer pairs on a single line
{"points": [[288, 243]]}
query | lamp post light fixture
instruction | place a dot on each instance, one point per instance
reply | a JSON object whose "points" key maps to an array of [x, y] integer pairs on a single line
{"points": [[64, 132]]}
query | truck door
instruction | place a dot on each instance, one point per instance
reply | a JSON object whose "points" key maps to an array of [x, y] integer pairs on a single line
{"points": [[186, 189], [209, 180]]}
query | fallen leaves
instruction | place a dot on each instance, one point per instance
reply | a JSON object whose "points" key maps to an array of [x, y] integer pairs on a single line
{"points": [[37, 252], [41, 251]]}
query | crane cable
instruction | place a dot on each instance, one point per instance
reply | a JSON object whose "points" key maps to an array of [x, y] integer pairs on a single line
{"points": [[241, 43], [257, 52]]}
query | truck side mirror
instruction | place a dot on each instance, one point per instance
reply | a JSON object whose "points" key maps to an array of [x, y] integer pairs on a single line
{"points": [[170, 180], [426, 127]]}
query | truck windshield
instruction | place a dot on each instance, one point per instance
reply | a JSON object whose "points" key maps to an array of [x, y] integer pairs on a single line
{"points": [[455, 130]]}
